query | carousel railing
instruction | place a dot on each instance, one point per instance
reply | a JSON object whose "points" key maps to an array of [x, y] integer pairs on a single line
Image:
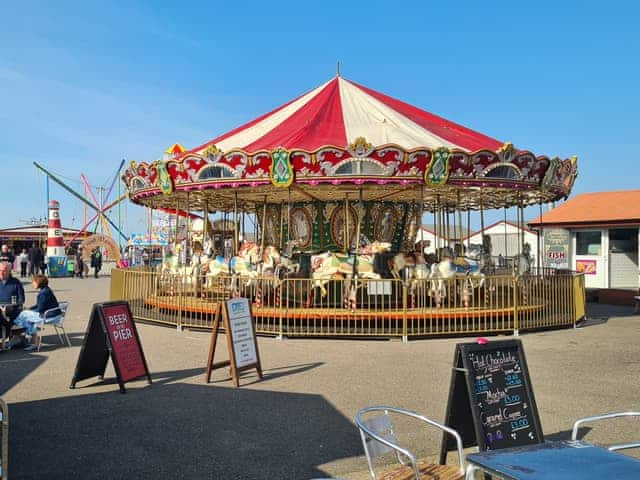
{"points": [[501, 303]]}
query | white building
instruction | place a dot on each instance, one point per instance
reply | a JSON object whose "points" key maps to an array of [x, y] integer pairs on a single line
{"points": [[505, 239]]}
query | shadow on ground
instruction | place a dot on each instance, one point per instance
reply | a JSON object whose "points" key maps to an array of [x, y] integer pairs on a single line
{"points": [[177, 430]]}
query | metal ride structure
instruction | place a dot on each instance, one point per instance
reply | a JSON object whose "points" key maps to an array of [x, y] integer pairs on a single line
{"points": [[101, 206], [337, 183]]}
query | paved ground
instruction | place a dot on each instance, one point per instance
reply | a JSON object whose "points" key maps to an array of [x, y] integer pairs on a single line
{"points": [[297, 423]]}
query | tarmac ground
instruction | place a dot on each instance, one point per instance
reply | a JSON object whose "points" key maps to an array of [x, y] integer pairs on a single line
{"points": [[295, 423]]}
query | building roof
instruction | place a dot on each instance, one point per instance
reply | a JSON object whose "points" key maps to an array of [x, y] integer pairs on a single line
{"points": [[36, 231], [595, 209]]}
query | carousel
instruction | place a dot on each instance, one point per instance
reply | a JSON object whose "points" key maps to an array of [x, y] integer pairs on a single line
{"points": [[332, 188]]}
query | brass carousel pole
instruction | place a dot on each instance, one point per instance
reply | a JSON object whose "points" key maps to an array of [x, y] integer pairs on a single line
{"points": [[187, 246], [281, 236], [481, 220], [346, 223], [175, 235], [506, 243], [436, 214], [460, 226], [263, 230], [235, 223], [289, 214]]}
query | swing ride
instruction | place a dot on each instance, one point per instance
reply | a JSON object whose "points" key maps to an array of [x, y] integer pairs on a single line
{"points": [[337, 183]]}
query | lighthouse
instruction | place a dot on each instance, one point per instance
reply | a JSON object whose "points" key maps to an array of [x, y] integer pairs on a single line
{"points": [[55, 243]]}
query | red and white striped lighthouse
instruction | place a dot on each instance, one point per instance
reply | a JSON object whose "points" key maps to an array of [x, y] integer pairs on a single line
{"points": [[55, 242]]}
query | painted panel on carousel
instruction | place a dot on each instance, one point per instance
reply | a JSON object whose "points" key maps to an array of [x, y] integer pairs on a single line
{"points": [[301, 226], [337, 227]]}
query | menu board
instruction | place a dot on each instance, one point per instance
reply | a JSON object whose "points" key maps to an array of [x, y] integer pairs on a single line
{"points": [[491, 387], [242, 336], [235, 316]]}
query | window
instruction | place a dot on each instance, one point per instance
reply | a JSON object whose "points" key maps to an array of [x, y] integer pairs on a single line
{"points": [[215, 172], [503, 171], [623, 240], [588, 243], [359, 167]]}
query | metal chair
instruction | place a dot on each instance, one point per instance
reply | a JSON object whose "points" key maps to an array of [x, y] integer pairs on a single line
{"points": [[57, 321], [606, 416], [379, 437]]}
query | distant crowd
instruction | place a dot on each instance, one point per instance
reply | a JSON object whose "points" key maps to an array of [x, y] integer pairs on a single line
{"points": [[29, 263]]}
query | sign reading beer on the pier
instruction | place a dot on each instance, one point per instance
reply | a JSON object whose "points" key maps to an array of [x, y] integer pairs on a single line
{"points": [[490, 384], [111, 332]]}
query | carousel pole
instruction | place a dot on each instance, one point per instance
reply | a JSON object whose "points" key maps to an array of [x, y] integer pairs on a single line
{"points": [[289, 214], [421, 212], [538, 242], [481, 220], [281, 236], [187, 246], [460, 226], [264, 223], [436, 215], [235, 223], [468, 229], [346, 218], [506, 243]]}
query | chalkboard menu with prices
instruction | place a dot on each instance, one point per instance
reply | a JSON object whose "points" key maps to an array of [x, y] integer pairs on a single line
{"points": [[491, 386]]}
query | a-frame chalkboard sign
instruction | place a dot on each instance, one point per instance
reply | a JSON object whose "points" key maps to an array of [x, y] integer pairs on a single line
{"points": [[111, 332], [491, 402], [242, 345]]}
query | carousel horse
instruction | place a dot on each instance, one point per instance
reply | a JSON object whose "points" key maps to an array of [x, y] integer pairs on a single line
{"points": [[328, 266], [522, 261], [450, 268]]}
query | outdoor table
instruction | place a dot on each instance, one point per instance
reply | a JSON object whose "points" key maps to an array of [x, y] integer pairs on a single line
{"points": [[564, 460]]}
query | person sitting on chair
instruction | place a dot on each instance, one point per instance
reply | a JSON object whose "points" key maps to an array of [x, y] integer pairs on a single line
{"points": [[29, 319], [11, 295]]}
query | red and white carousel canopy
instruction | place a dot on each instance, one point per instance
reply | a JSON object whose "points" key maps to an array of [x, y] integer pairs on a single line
{"points": [[323, 131]]}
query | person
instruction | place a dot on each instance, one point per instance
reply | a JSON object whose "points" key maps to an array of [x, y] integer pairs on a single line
{"points": [[6, 255], [23, 259], [146, 260], [96, 261], [35, 259], [79, 263], [29, 319], [44, 265], [11, 296]]}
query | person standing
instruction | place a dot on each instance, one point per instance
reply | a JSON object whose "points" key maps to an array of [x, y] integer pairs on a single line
{"points": [[79, 264], [6, 255], [96, 261], [23, 259], [35, 259]]}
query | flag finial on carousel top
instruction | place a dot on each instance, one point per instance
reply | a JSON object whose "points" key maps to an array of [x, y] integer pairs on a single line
{"points": [[338, 69], [174, 150]]}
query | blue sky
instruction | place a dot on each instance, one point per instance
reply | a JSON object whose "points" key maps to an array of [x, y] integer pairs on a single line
{"points": [[85, 84]]}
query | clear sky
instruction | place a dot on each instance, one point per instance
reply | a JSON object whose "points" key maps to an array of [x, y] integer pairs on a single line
{"points": [[86, 84]]}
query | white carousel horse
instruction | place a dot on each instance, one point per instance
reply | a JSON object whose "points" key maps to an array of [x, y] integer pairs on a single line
{"points": [[522, 261], [328, 266], [448, 269]]}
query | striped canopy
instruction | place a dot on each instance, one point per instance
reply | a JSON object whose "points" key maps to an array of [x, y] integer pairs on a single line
{"points": [[340, 111]]}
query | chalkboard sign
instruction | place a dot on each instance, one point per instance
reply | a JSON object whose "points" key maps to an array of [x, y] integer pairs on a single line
{"points": [[491, 402], [111, 332], [241, 339]]}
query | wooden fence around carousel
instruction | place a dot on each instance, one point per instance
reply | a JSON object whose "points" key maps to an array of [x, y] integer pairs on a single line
{"points": [[371, 308]]}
